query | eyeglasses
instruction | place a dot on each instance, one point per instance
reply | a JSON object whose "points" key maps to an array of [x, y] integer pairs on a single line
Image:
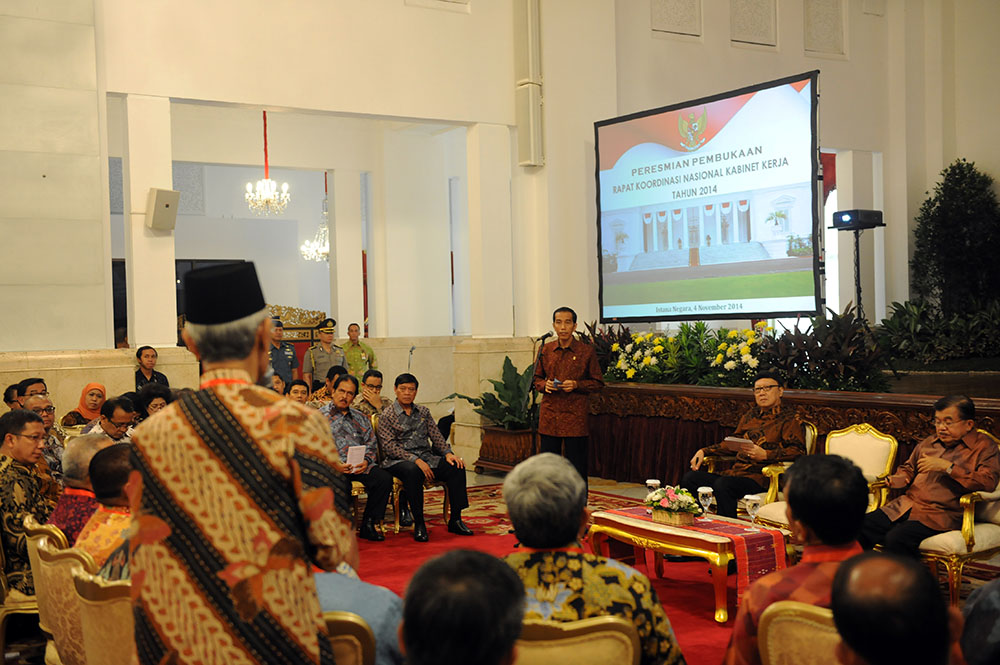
{"points": [[37, 438], [120, 426], [760, 390], [947, 422], [45, 409], [373, 386]]}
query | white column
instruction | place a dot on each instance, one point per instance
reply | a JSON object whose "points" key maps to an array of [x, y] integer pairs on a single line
{"points": [[149, 255], [346, 288], [491, 285]]}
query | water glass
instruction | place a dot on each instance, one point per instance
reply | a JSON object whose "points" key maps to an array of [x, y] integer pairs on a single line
{"points": [[705, 496], [752, 503]]}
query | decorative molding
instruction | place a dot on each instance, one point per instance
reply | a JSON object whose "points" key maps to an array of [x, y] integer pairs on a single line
{"points": [[824, 27], [296, 316], [753, 22], [679, 17]]}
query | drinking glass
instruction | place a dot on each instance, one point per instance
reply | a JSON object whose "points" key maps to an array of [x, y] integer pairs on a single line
{"points": [[705, 496], [652, 485], [752, 503]]}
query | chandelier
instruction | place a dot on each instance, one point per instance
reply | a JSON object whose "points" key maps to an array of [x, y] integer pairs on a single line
{"points": [[265, 198], [318, 249]]}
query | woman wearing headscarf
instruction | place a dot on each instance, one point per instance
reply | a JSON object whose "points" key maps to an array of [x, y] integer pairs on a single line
{"points": [[91, 400]]}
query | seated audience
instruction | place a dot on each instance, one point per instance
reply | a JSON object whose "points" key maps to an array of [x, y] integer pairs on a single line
{"points": [[776, 436], [546, 499], [462, 608], [827, 499], [152, 397], [89, 408], [981, 633], [324, 394], [53, 451], [105, 530], [350, 427], [953, 461], [414, 451], [29, 387], [278, 384], [381, 609], [22, 437], [10, 397], [146, 357], [116, 419], [298, 391], [77, 502], [370, 400], [889, 611]]}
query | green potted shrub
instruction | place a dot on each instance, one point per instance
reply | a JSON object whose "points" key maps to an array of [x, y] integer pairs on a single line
{"points": [[510, 439]]}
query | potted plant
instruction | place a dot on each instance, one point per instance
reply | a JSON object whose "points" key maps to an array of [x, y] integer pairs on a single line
{"points": [[510, 439], [672, 505]]}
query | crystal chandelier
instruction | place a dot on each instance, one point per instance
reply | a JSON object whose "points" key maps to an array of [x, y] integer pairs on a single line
{"points": [[265, 198], [318, 249]]}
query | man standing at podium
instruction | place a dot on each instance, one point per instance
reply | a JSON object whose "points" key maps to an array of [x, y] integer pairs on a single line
{"points": [[566, 371]]}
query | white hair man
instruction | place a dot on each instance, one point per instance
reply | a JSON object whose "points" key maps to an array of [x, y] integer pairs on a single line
{"points": [[238, 497], [546, 500], [77, 502]]}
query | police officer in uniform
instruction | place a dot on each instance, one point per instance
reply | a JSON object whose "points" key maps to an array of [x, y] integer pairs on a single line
{"points": [[321, 357]]}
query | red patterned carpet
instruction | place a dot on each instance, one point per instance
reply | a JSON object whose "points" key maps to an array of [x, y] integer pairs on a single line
{"points": [[685, 590]]}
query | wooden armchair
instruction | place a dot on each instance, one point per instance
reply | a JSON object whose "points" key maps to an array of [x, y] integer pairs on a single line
{"points": [[794, 633], [979, 537], [593, 641], [105, 618], [351, 637], [55, 571], [873, 451]]}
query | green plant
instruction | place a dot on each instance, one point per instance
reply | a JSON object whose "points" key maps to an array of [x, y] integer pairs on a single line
{"points": [[510, 406], [776, 218], [603, 339], [957, 233], [837, 352], [799, 246], [915, 330]]}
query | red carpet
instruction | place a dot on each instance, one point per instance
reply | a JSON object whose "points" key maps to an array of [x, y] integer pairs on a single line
{"points": [[685, 591]]}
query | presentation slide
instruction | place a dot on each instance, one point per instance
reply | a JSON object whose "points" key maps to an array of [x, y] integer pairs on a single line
{"points": [[707, 209]]}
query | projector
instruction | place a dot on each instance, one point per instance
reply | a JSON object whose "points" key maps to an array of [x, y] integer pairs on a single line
{"points": [[850, 220]]}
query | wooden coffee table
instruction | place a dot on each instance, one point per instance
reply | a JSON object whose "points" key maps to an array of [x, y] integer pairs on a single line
{"points": [[667, 539]]}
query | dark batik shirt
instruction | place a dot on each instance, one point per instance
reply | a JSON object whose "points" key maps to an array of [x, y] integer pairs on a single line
{"points": [[351, 429], [21, 494], [777, 430], [155, 377], [569, 585], [407, 438], [72, 512], [561, 413]]}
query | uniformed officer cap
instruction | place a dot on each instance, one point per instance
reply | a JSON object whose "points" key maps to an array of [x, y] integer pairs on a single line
{"points": [[326, 326], [276, 322]]}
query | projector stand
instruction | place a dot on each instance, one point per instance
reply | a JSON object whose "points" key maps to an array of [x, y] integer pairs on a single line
{"points": [[857, 277]]}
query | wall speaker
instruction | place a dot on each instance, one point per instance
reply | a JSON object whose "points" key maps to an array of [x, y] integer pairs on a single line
{"points": [[527, 43], [528, 115], [161, 209]]}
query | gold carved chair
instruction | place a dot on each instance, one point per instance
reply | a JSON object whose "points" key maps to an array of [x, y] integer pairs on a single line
{"points": [[794, 633], [105, 618], [55, 571], [11, 604], [593, 641], [34, 532], [979, 537], [351, 637], [873, 452], [397, 484]]}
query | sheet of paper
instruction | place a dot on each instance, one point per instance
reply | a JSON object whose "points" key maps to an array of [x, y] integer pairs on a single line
{"points": [[734, 443], [355, 455]]}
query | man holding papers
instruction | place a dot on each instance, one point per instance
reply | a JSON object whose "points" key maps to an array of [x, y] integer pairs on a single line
{"points": [[766, 434], [352, 433]]}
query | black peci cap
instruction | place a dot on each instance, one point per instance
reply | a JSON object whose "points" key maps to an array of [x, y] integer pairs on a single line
{"points": [[221, 294]]}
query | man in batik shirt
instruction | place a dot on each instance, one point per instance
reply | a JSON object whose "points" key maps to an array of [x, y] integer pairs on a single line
{"points": [[775, 434], [53, 450], [546, 500], [235, 497], [22, 438], [349, 427]]}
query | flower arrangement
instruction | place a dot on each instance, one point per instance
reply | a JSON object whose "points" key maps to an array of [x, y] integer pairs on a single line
{"points": [[737, 355], [641, 360], [672, 505]]}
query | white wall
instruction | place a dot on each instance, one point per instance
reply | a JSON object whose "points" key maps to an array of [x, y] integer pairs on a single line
{"points": [[971, 113]]}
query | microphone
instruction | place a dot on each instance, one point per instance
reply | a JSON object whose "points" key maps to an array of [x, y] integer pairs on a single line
{"points": [[545, 336], [410, 359]]}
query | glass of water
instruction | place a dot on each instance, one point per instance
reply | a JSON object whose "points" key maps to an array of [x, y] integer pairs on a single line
{"points": [[705, 496], [752, 504], [652, 485]]}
